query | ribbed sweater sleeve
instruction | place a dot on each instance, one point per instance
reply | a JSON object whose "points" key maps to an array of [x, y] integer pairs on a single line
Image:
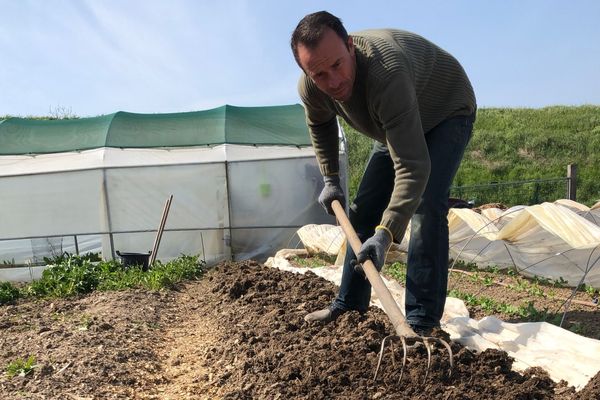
{"points": [[400, 121], [322, 125]]}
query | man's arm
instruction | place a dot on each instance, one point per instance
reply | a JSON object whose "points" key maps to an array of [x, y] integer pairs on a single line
{"points": [[322, 125], [397, 108]]}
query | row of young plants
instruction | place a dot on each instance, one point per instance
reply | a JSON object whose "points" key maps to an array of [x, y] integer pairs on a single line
{"points": [[526, 311], [536, 286], [72, 274]]}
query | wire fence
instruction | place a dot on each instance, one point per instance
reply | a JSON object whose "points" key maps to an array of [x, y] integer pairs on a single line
{"points": [[527, 192]]}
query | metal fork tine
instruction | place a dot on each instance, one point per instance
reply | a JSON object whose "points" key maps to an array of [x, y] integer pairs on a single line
{"points": [[426, 344], [403, 340], [392, 351], [381, 351], [447, 346]]}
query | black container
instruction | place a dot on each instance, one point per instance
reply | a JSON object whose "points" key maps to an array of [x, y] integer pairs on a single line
{"points": [[135, 259]]}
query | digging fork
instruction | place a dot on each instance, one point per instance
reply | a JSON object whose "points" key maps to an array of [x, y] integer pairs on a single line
{"points": [[404, 333]]}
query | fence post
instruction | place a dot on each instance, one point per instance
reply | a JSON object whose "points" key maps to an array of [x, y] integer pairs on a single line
{"points": [[572, 182]]}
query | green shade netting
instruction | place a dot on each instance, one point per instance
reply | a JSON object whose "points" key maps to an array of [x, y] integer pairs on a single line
{"points": [[276, 125]]}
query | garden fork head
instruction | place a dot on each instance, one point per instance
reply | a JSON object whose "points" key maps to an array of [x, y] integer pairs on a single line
{"points": [[408, 342], [404, 333]]}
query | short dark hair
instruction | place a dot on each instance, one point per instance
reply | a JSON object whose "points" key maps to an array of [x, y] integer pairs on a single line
{"points": [[311, 28]]}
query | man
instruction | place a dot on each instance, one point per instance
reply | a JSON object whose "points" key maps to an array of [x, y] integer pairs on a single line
{"points": [[416, 101]]}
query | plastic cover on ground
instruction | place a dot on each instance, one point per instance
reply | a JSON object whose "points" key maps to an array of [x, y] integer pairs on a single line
{"points": [[546, 240], [592, 214]]}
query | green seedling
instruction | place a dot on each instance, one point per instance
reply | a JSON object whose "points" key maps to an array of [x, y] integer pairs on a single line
{"points": [[590, 290], [488, 281], [559, 283], [20, 367], [84, 323], [494, 269], [71, 275]]}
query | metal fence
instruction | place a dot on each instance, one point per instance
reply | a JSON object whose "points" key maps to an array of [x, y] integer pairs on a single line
{"points": [[525, 192]]}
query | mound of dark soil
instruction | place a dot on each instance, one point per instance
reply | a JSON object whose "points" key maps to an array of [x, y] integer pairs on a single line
{"points": [[238, 333], [272, 353]]}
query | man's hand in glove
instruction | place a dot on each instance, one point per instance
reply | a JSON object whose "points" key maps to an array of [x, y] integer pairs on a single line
{"points": [[375, 248], [332, 191]]}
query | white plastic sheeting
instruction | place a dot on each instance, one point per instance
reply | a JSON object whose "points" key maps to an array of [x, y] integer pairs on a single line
{"points": [[229, 201], [322, 238], [547, 240], [592, 214]]}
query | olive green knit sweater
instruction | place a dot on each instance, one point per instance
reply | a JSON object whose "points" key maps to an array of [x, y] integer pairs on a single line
{"points": [[404, 87]]}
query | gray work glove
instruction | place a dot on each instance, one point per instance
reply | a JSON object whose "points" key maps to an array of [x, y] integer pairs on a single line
{"points": [[374, 248], [332, 191]]}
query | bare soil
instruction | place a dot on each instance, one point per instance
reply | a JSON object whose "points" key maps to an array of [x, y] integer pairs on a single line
{"points": [[238, 333]]}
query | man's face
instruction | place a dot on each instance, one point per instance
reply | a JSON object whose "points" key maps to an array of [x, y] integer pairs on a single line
{"points": [[331, 65]]}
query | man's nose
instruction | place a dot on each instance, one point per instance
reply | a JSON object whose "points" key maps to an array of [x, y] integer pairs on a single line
{"points": [[334, 81]]}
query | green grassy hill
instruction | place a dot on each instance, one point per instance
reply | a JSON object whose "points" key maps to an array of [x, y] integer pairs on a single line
{"points": [[515, 144]]}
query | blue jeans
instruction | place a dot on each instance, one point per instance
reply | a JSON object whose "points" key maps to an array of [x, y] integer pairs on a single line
{"points": [[427, 273]]}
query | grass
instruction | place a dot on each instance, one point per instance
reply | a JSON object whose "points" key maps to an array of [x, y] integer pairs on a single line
{"points": [[490, 306], [514, 144], [72, 275]]}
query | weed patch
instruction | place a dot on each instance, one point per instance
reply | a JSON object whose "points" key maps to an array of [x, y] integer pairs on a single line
{"points": [[20, 367], [71, 275], [8, 293]]}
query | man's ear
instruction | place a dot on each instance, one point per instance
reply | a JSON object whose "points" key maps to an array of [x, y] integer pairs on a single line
{"points": [[350, 45]]}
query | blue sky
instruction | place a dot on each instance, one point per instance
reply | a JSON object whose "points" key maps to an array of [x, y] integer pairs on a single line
{"points": [[100, 56]]}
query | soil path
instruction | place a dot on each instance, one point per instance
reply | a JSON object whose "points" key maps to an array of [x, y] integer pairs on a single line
{"points": [[238, 333]]}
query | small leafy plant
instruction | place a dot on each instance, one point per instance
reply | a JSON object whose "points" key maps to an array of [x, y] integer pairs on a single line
{"points": [[20, 367], [397, 271], [8, 293]]}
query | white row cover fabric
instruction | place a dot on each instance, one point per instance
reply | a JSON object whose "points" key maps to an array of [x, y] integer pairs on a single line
{"points": [[546, 240], [592, 214], [563, 354]]}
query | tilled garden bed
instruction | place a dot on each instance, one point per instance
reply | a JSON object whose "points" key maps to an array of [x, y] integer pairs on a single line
{"points": [[237, 333]]}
